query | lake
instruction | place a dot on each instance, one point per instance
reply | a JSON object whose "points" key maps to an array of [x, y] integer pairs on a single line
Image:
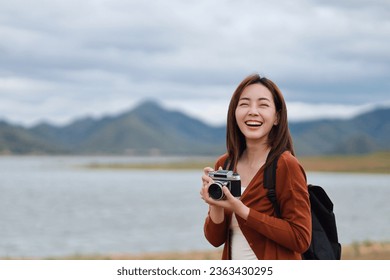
{"points": [[51, 206]]}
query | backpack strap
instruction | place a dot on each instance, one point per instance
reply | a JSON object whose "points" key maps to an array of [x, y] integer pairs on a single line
{"points": [[270, 184], [269, 181]]}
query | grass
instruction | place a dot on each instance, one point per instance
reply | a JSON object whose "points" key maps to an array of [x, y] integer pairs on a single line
{"points": [[367, 163], [366, 250]]}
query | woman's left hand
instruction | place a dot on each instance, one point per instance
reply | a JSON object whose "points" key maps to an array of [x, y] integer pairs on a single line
{"points": [[230, 202]]}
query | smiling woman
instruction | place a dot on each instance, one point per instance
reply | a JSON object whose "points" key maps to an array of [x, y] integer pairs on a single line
{"points": [[256, 113], [267, 105], [257, 133]]}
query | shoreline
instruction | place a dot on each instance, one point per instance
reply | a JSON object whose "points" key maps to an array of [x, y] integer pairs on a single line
{"points": [[366, 250], [377, 163]]}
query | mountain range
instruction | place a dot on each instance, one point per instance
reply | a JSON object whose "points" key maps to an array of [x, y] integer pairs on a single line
{"points": [[149, 129]]}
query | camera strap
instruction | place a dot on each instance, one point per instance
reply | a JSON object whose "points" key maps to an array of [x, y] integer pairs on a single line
{"points": [[226, 164]]}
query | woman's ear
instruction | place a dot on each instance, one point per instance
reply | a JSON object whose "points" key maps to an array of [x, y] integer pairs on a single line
{"points": [[277, 119]]}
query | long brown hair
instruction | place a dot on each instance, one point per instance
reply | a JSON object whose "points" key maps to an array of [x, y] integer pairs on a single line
{"points": [[279, 138]]}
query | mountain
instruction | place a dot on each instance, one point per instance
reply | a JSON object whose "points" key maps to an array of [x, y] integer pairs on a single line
{"points": [[19, 140], [147, 129], [368, 132], [151, 129]]}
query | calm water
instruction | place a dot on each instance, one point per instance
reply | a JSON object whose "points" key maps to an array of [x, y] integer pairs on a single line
{"points": [[49, 206]]}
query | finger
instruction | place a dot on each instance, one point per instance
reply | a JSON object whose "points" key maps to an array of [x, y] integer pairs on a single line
{"points": [[205, 194], [227, 193], [205, 183], [205, 178], [207, 169], [204, 191]]}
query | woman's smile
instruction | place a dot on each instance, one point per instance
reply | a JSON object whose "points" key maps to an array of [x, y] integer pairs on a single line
{"points": [[254, 123]]}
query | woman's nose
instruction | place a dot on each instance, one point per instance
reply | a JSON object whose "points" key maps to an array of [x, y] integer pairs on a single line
{"points": [[253, 111]]}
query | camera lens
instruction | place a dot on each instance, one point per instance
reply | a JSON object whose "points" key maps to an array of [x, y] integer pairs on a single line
{"points": [[215, 191]]}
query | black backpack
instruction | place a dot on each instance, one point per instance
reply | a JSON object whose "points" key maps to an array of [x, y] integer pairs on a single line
{"points": [[324, 241]]}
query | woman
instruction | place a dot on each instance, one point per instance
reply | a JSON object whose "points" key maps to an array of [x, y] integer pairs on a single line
{"points": [[257, 132]]}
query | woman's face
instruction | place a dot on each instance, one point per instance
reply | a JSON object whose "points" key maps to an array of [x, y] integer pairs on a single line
{"points": [[256, 113]]}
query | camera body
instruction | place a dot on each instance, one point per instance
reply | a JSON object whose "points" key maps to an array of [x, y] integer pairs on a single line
{"points": [[224, 178]]}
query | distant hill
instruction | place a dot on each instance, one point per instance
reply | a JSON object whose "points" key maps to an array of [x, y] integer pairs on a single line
{"points": [[368, 132], [150, 129], [19, 140]]}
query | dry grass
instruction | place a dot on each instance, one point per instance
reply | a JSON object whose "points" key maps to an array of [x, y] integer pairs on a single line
{"points": [[367, 251], [370, 163], [356, 251]]}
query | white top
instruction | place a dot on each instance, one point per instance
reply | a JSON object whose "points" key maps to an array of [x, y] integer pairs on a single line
{"points": [[240, 249]]}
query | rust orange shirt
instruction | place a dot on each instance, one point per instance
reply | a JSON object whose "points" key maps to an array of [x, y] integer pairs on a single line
{"points": [[270, 238]]}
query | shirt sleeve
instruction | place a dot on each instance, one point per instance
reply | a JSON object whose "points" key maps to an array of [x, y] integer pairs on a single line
{"points": [[216, 234], [293, 229]]}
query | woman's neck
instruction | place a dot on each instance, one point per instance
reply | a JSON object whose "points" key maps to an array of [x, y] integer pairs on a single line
{"points": [[255, 153]]}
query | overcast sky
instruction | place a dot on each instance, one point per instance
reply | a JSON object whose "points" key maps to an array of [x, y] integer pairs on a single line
{"points": [[61, 60]]}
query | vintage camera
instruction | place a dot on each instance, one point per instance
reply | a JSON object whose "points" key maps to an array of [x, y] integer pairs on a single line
{"points": [[224, 178]]}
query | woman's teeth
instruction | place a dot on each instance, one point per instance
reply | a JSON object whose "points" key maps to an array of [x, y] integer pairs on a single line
{"points": [[253, 123]]}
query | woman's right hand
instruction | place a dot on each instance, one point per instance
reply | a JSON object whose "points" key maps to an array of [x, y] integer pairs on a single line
{"points": [[216, 212], [206, 181]]}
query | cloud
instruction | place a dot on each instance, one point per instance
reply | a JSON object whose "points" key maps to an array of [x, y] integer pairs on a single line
{"points": [[112, 54]]}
